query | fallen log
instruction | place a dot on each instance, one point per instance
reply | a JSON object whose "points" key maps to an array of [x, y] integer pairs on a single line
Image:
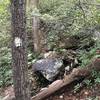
{"points": [[75, 74]]}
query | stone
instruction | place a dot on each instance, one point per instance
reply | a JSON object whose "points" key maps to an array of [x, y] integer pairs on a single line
{"points": [[49, 68], [51, 54]]}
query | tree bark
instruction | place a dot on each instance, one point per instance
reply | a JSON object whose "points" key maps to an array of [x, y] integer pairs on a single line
{"points": [[37, 34], [31, 3], [38, 37], [19, 50]]}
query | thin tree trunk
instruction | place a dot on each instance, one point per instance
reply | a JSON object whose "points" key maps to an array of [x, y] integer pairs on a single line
{"points": [[36, 34], [31, 3], [34, 2], [19, 50], [38, 37]]}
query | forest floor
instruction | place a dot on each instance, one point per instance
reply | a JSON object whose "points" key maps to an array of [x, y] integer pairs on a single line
{"points": [[67, 93], [85, 93]]}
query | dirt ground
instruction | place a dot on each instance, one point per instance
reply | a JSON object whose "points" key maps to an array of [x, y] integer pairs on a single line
{"points": [[86, 93], [67, 93]]}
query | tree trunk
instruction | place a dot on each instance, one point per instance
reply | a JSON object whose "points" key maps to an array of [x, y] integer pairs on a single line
{"points": [[19, 50], [31, 3], [34, 2], [38, 36], [35, 34]]}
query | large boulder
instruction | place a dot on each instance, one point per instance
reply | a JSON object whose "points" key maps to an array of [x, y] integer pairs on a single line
{"points": [[49, 68]]}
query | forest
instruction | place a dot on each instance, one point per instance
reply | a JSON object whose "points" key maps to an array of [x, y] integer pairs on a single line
{"points": [[49, 49]]}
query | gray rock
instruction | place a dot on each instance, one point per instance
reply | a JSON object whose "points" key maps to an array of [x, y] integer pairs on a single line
{"points": [[49, 68]]}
